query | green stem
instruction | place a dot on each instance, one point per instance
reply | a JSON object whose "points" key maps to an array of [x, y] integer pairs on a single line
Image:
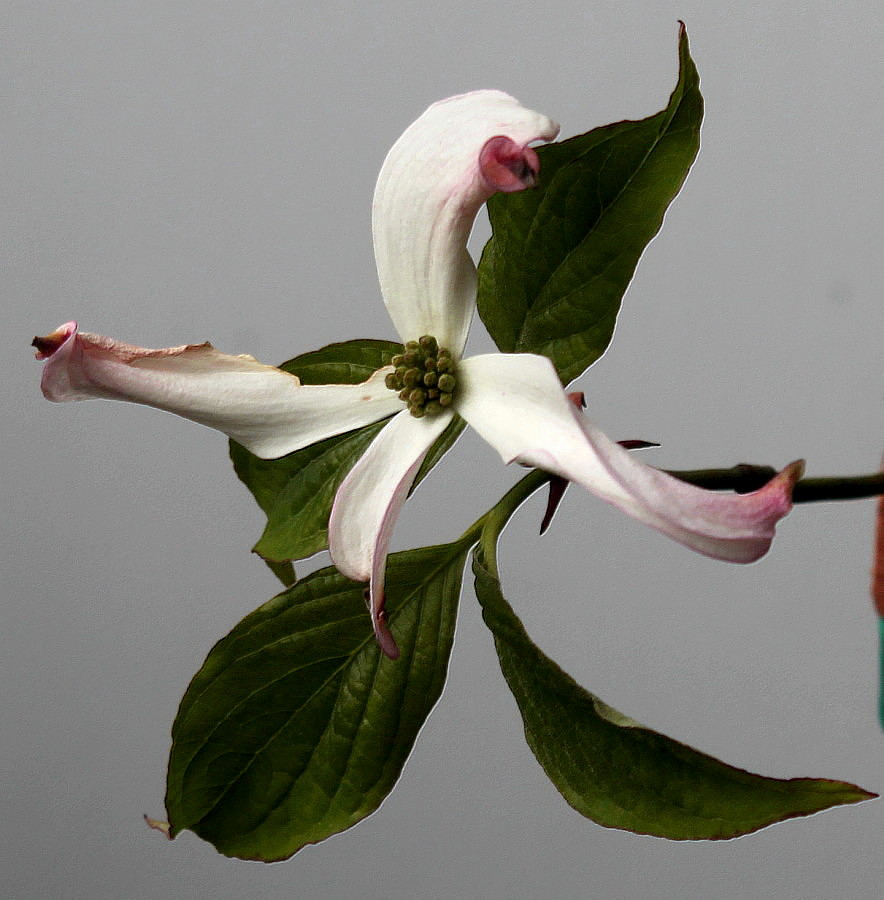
{"points": [[744, 478], [500, 514]]}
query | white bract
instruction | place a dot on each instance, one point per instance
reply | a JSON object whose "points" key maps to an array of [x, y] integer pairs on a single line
{"points": [[432, 184]]}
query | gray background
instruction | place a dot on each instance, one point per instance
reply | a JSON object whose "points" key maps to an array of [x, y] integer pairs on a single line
{"points": [[180, 172]]}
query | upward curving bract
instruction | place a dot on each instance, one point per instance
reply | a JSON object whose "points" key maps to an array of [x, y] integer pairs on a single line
{"points": [[431, 186]]}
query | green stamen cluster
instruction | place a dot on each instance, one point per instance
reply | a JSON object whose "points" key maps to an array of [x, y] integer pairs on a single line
{"points": [[424, 377]]}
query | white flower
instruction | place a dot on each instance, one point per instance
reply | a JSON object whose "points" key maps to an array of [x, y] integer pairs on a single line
{"points": [[432, 184]]}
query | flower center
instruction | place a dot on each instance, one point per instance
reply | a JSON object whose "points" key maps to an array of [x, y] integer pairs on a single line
{"points": [[424, 377]]}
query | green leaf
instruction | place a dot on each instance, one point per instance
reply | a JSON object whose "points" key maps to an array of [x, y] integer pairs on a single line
{"points": [[296, 492], [297, 727], [284, 571], [561, 256], [346, 362], [613, 770], [305, 484]]}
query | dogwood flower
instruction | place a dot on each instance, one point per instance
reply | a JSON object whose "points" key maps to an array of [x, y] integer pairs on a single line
{"points": [[430, 188]]}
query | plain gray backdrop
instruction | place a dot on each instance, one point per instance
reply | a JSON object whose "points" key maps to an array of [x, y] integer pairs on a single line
{"points": [[178, 172]]}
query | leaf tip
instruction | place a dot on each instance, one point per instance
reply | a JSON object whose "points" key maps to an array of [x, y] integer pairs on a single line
{"points": [[158, 825]]}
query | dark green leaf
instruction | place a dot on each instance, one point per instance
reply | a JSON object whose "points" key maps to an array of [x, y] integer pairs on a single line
{"points": [[297, 727], [297, 516], [347, 362], [296, 492], [561, 256], [617, 772]]}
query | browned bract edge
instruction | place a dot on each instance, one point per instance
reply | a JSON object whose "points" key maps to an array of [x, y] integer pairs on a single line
{"points": [[158, 825]]}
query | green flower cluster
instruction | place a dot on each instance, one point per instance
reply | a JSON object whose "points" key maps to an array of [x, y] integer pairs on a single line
{"points": [[424, 377]]}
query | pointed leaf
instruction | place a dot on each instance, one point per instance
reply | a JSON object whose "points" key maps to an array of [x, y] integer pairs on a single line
{"points": [[617, 772], [284, 571], [560, 257], [306, 482], [297, 727], [296, 492]]}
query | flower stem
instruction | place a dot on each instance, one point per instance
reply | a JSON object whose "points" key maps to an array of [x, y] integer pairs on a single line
{"points": [[500, 513]]}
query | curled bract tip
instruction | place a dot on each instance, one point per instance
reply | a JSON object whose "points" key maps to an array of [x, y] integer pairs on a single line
{"points": [[783, 483], [48, 345], [506, 166], [795, 471], [383, 635]]}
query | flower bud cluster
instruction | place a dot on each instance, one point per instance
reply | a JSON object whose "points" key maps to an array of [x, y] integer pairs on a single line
{"points": [[424, 377]]}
